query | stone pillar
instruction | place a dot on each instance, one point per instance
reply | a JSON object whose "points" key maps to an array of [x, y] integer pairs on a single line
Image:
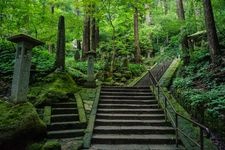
{"points": [[90, 71], [22, 66]]}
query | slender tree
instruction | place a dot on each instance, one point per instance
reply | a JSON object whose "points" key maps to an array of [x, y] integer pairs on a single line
{"points": [[211, 31], [184, 40], [165, 6], [86, 34]]}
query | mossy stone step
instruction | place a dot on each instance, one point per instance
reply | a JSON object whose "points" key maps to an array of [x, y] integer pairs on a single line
{"points": [[65, 134], [64, 105], [64, 111], [66, 125], [64, 117]]}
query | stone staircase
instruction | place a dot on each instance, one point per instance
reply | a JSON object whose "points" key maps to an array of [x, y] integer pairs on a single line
{"points": [[65, 121], [129, 118]]}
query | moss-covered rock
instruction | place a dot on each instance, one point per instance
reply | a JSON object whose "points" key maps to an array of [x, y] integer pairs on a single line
{"points": [[51, 145], [19, 124], [54, 87]]}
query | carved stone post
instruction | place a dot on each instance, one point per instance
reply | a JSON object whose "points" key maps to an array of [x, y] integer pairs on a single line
{"points": [[90, 71], [22, 66]]}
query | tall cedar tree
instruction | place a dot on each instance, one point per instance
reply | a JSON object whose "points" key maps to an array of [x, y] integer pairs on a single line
{"points": [[211, 31], [86, 35], [184, 41], [60, 54]]}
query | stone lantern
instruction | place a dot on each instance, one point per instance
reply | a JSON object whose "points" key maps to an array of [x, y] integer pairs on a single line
{"points": [[22, 66], [90, 71]]}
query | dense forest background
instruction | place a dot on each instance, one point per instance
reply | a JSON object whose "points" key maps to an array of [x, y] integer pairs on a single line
{"points": [[128, 36]]}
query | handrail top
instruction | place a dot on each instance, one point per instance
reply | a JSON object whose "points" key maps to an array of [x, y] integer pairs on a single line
{"points": [[188, 119]]}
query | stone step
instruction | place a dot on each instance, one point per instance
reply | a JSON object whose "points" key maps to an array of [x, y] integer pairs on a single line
{"points": [[136, 147], [65, 134], [127, 93], [133, 139], [108, 99], [128, 106], [125, 90], [131, 111], [64, 105], [134, 130], [130, 116], [64, 111], [66, 125], [64, 118], [127, 97], [105, 101], [124, 87], [125, 122]]}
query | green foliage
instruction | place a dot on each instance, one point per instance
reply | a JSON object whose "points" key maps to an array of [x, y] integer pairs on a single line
{"points": [[7, 53], [42, 59], [199, 92], [136, 69]]}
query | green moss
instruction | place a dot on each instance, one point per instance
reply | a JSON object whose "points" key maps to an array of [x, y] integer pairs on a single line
{"points": [[88, 96], [19, 123], [47, 115], [34, 146], [54, 87], [51, 145], [187, 127], [165, 81], [81, 110]]}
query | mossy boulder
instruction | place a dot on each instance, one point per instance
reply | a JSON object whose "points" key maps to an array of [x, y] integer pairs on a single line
{"points": [[19, 124], [55, 87]]}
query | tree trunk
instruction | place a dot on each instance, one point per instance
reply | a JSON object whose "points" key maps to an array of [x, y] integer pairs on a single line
{"points": [[60, 54], [79, 44], [93, 35], [184, 41], [165, 6], [211, 31], [136, 37], [97, 36], [86, 35], [180, 10], [147, 16]]}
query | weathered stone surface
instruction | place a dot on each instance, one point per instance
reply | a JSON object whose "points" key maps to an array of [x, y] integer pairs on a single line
{"points": [[22, 66], [91, 83]]}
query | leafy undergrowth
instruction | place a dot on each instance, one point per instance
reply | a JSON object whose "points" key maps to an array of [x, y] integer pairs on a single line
{"points": [[54, 87], [121, 74], [19, 124], [200, 89]]}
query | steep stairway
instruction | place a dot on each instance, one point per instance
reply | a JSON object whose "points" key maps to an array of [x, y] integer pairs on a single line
{"points": [[65, 121], [129, 118]]}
